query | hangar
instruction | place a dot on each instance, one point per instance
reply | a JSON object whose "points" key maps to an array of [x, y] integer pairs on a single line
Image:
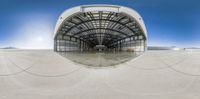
{"points": [[44, 74], [100, 28]]}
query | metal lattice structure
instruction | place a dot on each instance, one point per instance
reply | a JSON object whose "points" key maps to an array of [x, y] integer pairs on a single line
{"points": [[85, 27]]}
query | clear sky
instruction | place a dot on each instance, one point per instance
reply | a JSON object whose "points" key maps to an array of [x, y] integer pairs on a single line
{"points": [[30, 23]]}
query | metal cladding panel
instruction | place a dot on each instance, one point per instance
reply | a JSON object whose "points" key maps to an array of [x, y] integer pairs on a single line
{"points": [[100, 8]]}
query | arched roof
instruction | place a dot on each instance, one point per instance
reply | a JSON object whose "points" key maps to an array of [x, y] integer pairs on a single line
{"points": [[104, 8]]}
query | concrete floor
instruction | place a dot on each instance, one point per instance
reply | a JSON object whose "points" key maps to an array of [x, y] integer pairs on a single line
{"points": [[43, 74], [100, 59]]}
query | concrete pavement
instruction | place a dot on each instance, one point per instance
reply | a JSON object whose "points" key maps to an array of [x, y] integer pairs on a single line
{"points": [[44, 74]]}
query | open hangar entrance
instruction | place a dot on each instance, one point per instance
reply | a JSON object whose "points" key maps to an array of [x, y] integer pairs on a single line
{"points": [[100, 28]]}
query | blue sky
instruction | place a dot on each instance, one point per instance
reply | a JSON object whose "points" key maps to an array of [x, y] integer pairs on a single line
{"points": [[30, 23]]}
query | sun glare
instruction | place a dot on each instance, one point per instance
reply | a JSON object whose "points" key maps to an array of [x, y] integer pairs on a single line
{"points": [[40, 39]]}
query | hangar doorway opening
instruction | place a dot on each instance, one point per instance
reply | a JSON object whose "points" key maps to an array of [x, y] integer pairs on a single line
{"points": [[100, 28]]}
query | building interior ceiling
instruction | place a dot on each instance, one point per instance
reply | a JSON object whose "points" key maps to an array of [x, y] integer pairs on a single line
{"points": [[100, 27]]}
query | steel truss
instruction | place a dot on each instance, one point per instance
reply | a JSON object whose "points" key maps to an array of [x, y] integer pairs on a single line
{"points": [[83, 31]]}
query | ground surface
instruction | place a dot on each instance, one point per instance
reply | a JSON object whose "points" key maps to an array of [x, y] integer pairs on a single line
{"points": [[42, 74]]}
